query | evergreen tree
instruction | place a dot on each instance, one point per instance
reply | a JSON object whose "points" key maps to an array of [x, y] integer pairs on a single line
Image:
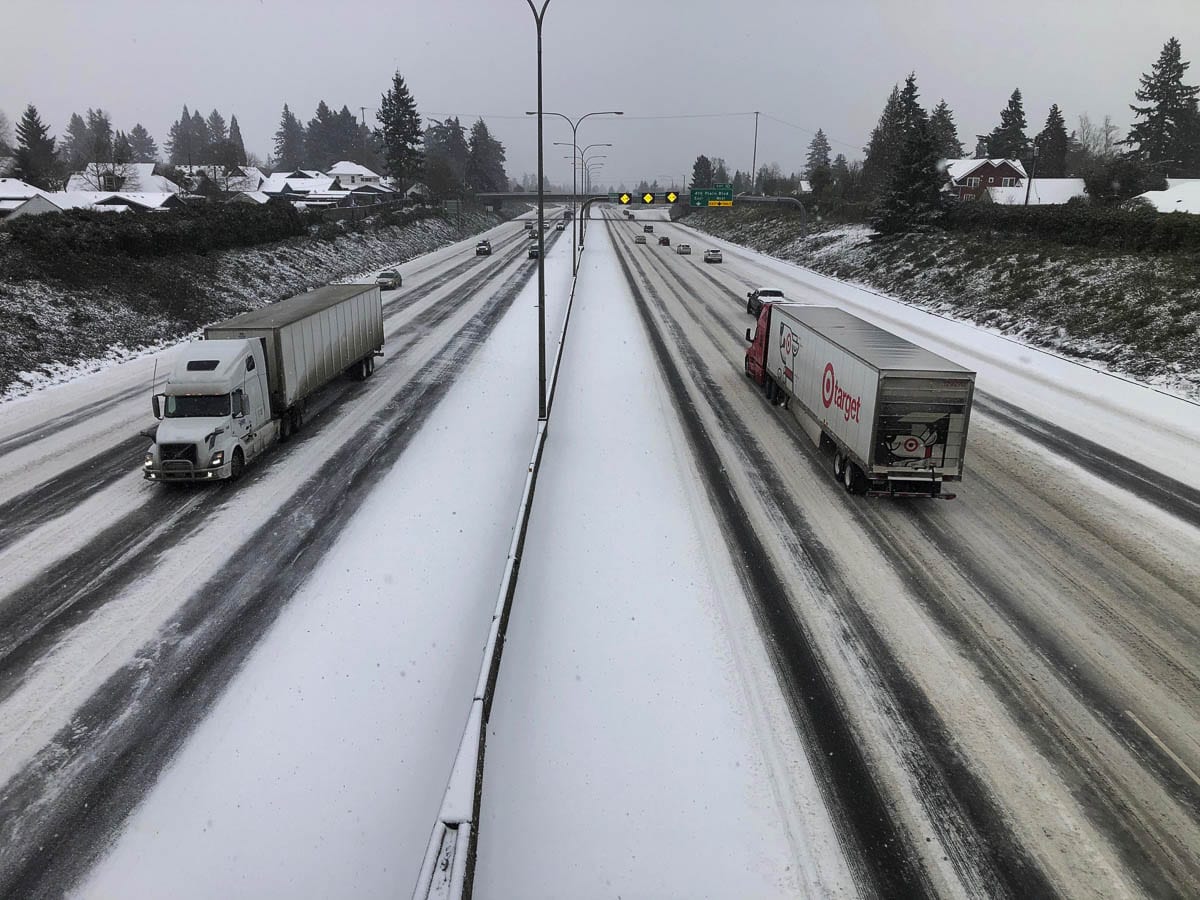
{"points": [[122, 149], [1121, 178], [485, 165], [236, 147], [201, 140], [981, 147], [289, 142], [446, 140], [1052, 144], [35, 151], [912, 114], [914, 200], [1168, 131], [320, 138], [345, 138], [5, 135], [400, 130], [181, 145], [217, 131], [741, 182], [944, 132], [702, 172], [839, 173], [818, 154], [884, 146], [1008, 140], [100, 136], [75, 148], [142, 146], [720, 171]]}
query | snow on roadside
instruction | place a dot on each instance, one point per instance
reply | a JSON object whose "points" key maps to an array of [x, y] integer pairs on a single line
{"points": [[638, 743], [320, 771]]}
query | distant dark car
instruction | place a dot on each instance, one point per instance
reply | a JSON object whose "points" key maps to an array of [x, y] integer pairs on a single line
{"points": [[533, 233], [713, 256], [389, 280], [754, 299], [664, 241], [561, 226], [533, 253], [529, 224], [483, 248], [649, 229]]}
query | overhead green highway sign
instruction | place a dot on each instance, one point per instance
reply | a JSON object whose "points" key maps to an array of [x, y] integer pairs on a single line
{"points": [[705, 196]]}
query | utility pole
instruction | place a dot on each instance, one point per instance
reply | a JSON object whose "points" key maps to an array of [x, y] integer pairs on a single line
{"points": [[754, 158], [538, 16], [1029, 180]]}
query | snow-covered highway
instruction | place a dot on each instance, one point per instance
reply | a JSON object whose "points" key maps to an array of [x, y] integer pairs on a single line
{"points": [[723, 675]]}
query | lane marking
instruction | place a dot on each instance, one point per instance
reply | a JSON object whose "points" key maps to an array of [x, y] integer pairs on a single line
{"points": [[1163, 747]]}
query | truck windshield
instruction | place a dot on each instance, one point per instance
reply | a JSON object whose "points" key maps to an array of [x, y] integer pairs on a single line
{"points": [[195, 405]]}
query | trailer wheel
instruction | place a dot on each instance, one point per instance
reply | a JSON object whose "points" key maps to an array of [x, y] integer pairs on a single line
{"points": [[371, 364], [853, 478], [237, 464], [839, 464], [297, 419]]}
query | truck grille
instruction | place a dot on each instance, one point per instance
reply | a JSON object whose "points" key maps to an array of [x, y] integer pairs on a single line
{"points": [[178, 453]]}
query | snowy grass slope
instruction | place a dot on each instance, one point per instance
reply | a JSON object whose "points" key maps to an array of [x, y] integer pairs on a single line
{"points": [[53, 329], [1136, 315]]}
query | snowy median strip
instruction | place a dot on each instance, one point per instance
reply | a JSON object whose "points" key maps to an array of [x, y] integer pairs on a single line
{"points": [[448, 867]]}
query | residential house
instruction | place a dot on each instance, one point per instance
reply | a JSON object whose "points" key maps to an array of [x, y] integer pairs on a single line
{"points": [[1041, 191], [970, 178], [351, 174], [136, 177], [20, 199], [116, 201], [1182, 197], [214, 179]]}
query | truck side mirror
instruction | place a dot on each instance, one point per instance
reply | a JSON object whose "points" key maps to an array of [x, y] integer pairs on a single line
{"points": [[156, 406], [748, 338]]}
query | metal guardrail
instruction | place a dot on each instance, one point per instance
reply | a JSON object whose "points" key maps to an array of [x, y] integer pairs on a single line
{"points": [[448, 869]]}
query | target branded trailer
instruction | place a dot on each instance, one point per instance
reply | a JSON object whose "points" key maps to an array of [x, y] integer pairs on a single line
{"points": [[894, 414]]}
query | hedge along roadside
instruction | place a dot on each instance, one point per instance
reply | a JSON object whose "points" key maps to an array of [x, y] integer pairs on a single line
{"points": [[448, 869]]}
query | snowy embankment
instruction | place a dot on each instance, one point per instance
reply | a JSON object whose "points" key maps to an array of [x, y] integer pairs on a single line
{"points": [[51, 333], [1131, 314]]}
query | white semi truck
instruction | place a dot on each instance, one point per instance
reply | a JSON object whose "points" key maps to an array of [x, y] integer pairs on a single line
{"points": [[894, 414], [230, 396]]}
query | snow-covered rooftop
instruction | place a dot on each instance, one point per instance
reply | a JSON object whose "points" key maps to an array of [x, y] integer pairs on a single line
{"points": [[1183, 197], [137, 177], [280, 180], [961, 168], [1042, 191], [345, 167], [15, 189]]}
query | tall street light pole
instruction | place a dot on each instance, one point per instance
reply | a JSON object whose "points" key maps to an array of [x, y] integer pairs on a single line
{"points": [[574, 143], [538, 16]]}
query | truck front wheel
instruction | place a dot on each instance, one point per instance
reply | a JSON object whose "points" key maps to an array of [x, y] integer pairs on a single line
{"points": [[237, 464]]}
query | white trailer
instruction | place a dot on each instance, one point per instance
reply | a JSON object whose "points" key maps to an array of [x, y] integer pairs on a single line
{"points": [[894, 414], [229, 397]]}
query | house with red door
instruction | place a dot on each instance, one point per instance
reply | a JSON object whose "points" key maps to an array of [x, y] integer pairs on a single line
{"points": [[969, 179]]}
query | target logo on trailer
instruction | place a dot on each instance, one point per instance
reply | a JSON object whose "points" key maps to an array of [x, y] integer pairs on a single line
{"points": [[910, 444], [833, 394], [789, 346]]}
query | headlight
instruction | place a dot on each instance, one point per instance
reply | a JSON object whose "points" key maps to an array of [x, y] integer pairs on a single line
{"points": [[148, 461], [218, 459]]}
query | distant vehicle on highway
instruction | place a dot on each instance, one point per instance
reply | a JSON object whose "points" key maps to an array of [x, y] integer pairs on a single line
{"points": [[533, 233], [561, 226], [754, 299], [533, 253], [232, 395], [389, 280], [683, 249], [712, 256], [649, 229], [894, 414], [483, 248], [529, 224], [664, 241], [639, 239]]}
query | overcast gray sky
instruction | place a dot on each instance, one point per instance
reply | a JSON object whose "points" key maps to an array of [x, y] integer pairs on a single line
{"points": [[809, 64]]}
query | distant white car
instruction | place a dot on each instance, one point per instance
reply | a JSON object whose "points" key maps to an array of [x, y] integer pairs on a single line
{"points": [[639, 239], [389, 280], [683, 249], [713, 256]]}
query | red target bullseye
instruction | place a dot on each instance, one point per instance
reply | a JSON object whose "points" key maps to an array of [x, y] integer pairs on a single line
{"points": [[911, 444], [827, 385]]}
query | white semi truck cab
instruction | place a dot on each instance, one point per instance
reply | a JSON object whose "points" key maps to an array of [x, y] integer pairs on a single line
{"points": [[229, 397], [215, 411]]}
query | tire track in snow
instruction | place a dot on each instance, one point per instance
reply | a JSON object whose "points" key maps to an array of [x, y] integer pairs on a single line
{"points": [[960, 808], [58, 814]]}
